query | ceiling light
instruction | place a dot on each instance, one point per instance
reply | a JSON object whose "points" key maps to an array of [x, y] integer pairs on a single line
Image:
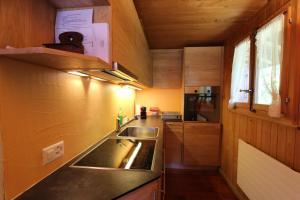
{"points": [[98, 79], [132, 87], [78, 73]]}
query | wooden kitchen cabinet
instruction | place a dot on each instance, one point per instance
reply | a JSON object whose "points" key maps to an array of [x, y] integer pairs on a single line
{"points": [[201, 144], [167, 68], [129, 45], [202, 66], [151, 191], [173, 144]]}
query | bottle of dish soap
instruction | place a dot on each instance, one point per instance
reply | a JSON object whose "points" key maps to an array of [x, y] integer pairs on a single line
{"points": [[120, 117]]}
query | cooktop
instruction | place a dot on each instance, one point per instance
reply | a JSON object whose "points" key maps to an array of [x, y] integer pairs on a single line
{"points": [[129, 154]]}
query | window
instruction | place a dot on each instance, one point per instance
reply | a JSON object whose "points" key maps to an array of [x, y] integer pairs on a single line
{"points": [[269, 48], [240, 72], [257, 67]]}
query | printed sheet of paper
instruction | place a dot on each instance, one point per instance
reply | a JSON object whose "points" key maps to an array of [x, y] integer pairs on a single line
{"points": [[96, 36], [76, 20]]}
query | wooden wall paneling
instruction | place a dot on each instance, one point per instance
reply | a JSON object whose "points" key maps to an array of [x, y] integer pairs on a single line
{"points": [[274, 140], [251, 131], [291, 90], [26, 23], [297, 151], [228, 144], [281, 146], [295, 53], [231, 146], [243, 126], [266, 137], [259, 134], [167, 68], [290, 146], [278, 138], [224, 148], [235, 146]]}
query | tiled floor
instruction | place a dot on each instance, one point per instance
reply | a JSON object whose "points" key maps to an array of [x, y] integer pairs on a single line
{"points": [[197, 185]]}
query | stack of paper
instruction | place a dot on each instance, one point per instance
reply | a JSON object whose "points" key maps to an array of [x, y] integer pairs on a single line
{"points": [[96, 35]]}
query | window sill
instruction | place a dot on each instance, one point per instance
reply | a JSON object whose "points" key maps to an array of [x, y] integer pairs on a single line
{"points": [[264, 116]]}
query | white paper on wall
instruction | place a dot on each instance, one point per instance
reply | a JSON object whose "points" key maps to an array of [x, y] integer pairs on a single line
{"points": [[100, 41], [75, 20], [96, 36]]}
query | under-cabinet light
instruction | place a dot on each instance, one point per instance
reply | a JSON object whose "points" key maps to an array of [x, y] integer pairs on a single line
{"points": [[98, 79], [77, 73], [133, 156], [132, 87]]}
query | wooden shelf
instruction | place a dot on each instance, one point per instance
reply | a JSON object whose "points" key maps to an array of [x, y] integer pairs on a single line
{"points": [[78, 4], [53, 58]]}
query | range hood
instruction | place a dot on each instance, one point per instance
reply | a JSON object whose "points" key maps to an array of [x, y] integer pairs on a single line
{"points": [[118, 74], [121, 72]]}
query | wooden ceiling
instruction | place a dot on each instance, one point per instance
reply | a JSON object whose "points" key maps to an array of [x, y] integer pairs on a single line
{"points": [[178, 23]]}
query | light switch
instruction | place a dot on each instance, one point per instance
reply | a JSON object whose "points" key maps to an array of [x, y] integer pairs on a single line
{"points": [[53, 152]]}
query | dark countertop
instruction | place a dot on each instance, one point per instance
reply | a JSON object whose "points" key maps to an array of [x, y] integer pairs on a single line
{"points": [[89, 184]]}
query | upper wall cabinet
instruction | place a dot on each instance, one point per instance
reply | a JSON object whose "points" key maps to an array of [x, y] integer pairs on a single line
{"points": [[167, 68], [129, 45], [202, 66]]}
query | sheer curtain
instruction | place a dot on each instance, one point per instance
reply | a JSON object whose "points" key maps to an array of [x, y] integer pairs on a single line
{"points": [[269, 45], [240, 73]]}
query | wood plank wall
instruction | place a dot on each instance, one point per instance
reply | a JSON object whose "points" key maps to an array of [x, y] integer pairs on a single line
{"points": [[26, 23], [275, 138]]}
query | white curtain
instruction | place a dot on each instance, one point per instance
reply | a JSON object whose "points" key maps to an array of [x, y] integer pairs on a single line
{"points": [[240, 73], [269, 45]]}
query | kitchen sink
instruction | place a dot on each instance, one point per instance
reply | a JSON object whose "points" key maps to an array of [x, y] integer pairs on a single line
{"points": [[126, 154], [139, 132]]}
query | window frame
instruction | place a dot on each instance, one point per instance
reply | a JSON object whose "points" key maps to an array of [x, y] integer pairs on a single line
{"points": [[244, 104], [283, 90], [285, 62]]}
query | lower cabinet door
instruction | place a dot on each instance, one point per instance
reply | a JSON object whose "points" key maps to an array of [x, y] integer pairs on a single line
{"points": [[151, 191], [201, 144], [173, 144]]}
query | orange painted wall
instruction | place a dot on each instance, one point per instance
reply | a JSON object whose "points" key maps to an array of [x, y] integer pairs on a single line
{"points": [[41, 106], [165, 99]]}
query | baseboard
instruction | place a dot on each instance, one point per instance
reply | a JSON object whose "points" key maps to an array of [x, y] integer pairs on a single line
{"points": [[238, 193]]}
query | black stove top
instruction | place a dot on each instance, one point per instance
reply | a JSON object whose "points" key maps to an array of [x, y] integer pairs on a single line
{"points": [[120, 154]]}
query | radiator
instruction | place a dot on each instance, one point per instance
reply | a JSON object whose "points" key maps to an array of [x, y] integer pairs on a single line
{"points": [[261, 177]]}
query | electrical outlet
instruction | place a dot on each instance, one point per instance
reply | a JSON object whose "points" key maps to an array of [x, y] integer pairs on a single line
{"points": [[53, 152]]}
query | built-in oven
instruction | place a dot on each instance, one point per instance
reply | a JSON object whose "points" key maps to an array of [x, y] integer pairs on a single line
{"points": [[203, 104]]}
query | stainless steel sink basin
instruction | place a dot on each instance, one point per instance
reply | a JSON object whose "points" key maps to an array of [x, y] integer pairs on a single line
{"points": [[139, 132]]}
